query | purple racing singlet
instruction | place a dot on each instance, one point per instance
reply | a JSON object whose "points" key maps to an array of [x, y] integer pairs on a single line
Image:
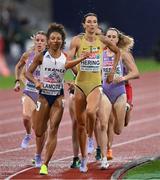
{"points": [[112, 90], [30, 89]]}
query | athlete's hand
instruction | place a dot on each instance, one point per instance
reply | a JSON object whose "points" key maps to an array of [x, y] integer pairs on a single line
{"points": [[70, 86], [85, 55], [38, 85], [118, 79], [110, 77], [17, 86]]}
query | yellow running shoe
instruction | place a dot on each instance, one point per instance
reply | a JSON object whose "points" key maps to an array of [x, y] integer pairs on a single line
{"points": [[109, 154], [44, 170]]}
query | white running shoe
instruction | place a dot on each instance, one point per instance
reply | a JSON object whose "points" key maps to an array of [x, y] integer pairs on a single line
{"points": [[104, 163], [25, 141], [90, 145], [38, 161], [83, 167]]}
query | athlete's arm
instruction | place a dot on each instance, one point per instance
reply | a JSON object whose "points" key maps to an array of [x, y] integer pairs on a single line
{"points": [[29, 74], [18, 69], [114, 49], [20, 64], [72, 63], [129, 62], [74, 46]]}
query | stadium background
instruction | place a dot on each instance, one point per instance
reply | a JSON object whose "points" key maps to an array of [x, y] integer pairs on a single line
{"points": [[21, 18]]}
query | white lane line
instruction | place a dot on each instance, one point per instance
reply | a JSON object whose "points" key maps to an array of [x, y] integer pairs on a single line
{"points": [[69, 137], [68, 157], [147, 105], [137, 139], [27, 169], [18, 117], [23, 131], [143, 120], [146, 96], [33, 145], [11, 100], [19, 172], [9, 104], [10, 120], [135, 108], [11, 134], [18, 109], [14, 109]]}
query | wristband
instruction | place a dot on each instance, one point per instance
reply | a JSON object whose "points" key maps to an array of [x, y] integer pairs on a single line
{"points": [[74, 78], [17, 80]]}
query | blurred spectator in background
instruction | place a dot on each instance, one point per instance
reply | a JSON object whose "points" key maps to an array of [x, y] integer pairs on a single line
{"points": [[4, 70], [14, 31]]}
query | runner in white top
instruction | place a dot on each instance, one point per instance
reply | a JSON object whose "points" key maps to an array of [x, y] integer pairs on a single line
{"points": [[53, 64]]}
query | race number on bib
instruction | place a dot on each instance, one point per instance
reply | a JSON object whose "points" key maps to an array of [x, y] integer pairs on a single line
{"points": [[31, 87], [52, 88], [90, 65]]}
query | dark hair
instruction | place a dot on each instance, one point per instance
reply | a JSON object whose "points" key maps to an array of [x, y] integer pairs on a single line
{"points": [[54, 27], [88, 14]]}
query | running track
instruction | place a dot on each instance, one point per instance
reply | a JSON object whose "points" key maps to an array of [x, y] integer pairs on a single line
{"points": [[140, 139]]}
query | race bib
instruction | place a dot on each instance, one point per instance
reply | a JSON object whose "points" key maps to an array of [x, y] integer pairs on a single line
{"points": [[51, 88], [90, 65], [30, 87]]}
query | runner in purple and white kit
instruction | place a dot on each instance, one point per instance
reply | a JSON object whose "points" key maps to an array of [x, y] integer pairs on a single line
{"points": [[30, 93], [114, 98]]}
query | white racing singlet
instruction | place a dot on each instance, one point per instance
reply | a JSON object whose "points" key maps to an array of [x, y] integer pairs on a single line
{"points": [[52, 74]]}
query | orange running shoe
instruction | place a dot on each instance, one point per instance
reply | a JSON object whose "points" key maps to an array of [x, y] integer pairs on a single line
{"points": [[109, 154]]}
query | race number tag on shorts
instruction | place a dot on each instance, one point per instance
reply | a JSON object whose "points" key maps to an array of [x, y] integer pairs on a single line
{"points": [[23, 98], [38, 105], [63, 102]]}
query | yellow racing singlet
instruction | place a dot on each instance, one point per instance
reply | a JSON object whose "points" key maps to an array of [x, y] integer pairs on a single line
{"points": [[89, 70]]}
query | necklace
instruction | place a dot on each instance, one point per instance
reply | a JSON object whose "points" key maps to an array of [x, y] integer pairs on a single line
{"points": [[55, 61]]}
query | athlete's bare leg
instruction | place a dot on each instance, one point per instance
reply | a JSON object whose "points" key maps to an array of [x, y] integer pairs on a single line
{"points": [[92, 109], [110, 131], [55, 119], [119, 111], [96, 130], [28, 107], [104, 115], [40, 141], [40, 116], [75, 141], [80, 107], [27, 124], [128, 116]]}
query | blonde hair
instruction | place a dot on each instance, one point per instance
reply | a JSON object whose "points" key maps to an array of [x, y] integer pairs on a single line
{"points": [[33, 37], [125, 42]]}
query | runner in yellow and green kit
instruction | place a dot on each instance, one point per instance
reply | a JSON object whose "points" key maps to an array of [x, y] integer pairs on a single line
{"points": [[88, 80]]}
